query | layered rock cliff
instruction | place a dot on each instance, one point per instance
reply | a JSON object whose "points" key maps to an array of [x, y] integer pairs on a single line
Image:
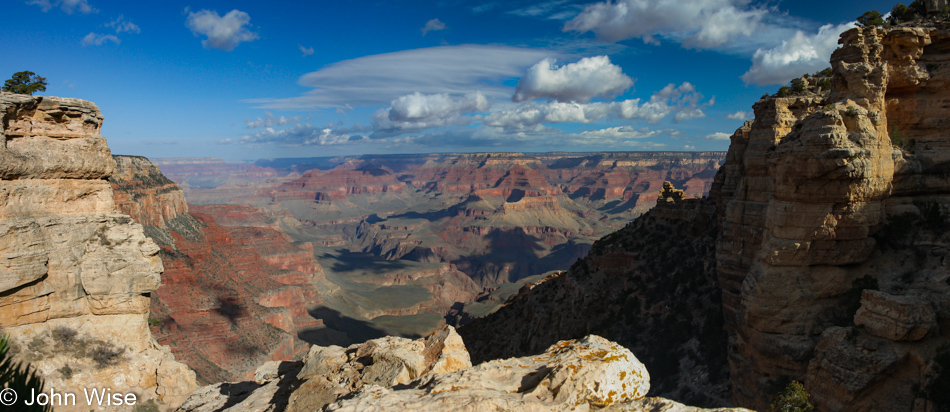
{"points": [[76, 274], [824, 196], [236, 291]]}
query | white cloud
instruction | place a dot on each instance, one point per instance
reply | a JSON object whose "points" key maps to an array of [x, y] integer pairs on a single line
{"points": [[305, 50], [223, 33], [419, 111], [95, 39], [551, 10], [418, 106], [299, 135], [432, 25], [269, 120], [578, 82], [718, 136], [122, 25], [689, 147], [682, 101], [696, 23], [796, 56], [378, 79], [625, 132], [527, 116], [739, 115], [67, 6]]}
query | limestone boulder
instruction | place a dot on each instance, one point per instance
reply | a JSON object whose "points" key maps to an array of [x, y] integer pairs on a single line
{"points": [[571, 375], [897, 318]]}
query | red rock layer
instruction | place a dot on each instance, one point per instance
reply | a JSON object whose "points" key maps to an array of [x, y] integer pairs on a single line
{"points": [[338, 184], [234, 294]]}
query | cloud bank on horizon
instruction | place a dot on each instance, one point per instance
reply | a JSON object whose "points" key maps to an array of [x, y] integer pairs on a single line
{"points": [[519, 75]]}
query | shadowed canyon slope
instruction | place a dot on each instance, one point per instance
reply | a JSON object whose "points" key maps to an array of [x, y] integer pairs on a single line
{"points": [[236, 290], [827, 234]]}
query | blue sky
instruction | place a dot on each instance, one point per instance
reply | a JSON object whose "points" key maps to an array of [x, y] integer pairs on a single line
{"points": [[249, 79]]}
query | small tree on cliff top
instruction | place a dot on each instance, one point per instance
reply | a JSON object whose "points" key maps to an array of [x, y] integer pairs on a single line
{"points": [[871, 18], [25, 82]]}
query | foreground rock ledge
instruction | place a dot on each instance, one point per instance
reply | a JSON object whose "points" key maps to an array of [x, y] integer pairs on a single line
{"points": [[435, 374]]}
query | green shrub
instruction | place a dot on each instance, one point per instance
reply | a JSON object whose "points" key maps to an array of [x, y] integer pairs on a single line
{"points": [[105, 354], [784, 91], [66, 371], [793, 398], [22, 378], [64, 335], [825, 84], [897, 139]]}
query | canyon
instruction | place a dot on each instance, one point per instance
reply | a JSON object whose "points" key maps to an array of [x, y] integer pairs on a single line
{"points": [[822, 241], [615, 281], [410, 242]]}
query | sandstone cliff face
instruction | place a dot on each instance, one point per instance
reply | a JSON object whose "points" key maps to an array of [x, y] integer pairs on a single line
{"points": [[823, 196], [72, 263], [236, 291]]}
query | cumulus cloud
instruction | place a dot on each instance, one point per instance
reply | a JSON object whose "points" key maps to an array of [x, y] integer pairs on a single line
{"points": [[378, 79], [696, 23], [418, 106], [122, 25], [682, 101], [578, 82], [67, 6], [305, 50], [298, 135], [432, 25], [718, 136], [269, 120], [419, 111], [95, 39], [222, 32], [739, 115], [801, 54]]}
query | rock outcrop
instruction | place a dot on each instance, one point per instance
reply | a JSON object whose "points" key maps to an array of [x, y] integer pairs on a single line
{"points": [[650, 287], [76, 274], [816, 200], [435, 374], [236, 291]]}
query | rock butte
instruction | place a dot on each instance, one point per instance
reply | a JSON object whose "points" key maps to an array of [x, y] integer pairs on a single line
{"points": [[71, 261]]}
